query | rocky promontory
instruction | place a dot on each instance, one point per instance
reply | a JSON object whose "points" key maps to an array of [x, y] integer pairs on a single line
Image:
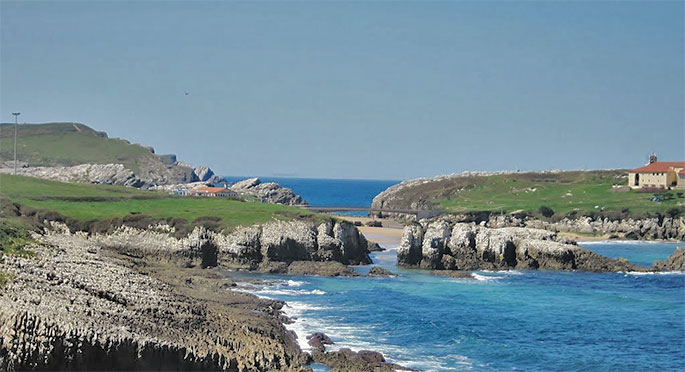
{"points": [[268, 192], [270, 247], [76, 305], [140, 299], [443, 244]]}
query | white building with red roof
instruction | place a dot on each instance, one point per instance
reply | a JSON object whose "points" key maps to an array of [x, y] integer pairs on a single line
{"points": [[214, 192], [658, 174]]}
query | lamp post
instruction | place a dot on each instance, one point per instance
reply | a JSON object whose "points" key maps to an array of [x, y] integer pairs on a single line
{"points": [[16, 116]]}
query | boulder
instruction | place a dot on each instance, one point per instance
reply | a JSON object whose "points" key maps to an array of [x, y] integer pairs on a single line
{"points": [[318, 340], [269, 192], [380, 272]]}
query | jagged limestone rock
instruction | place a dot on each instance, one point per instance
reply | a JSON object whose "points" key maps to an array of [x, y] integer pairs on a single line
{"points": [[445, 245], [269, 192]]}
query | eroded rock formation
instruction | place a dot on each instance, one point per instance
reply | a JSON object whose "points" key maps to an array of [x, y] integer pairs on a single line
{"points": [[254, 247], [445, 245], [268, 192], [75, 307]]}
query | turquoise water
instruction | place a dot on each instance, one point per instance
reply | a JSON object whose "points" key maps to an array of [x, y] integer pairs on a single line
{"points": [[502, 321]]}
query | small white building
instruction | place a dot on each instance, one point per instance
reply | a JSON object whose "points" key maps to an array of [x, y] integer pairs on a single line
{"points": [[214, 192], [658, 174]]}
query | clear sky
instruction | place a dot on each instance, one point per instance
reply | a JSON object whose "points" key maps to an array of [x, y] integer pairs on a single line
{"points": [[384, 90]]}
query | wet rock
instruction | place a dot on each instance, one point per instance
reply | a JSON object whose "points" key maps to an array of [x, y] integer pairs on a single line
{"points": [[380, 272], [674, 262], [375, 247], [453, 274], [320, 268], [318, 341]]}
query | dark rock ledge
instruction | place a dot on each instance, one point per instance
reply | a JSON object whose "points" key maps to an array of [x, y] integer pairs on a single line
{"points": [[346, 360]]}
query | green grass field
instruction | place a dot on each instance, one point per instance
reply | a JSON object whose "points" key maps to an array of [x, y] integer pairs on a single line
{"points": [[69, 144], [583, 192], [91, 203]]}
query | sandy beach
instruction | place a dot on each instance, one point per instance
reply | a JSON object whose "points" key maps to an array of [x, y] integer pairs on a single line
{"points": [[389, 234]]}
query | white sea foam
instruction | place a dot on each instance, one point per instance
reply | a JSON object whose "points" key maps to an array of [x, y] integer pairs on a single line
{"points": [[294, 283], [622, 242], [643, 273], [486, 278]]}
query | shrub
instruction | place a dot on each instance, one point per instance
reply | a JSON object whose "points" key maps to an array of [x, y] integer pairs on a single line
{"points": [[546, 211]]}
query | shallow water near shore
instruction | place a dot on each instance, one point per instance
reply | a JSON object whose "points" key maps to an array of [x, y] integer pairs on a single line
{"points": [[515, 320]]}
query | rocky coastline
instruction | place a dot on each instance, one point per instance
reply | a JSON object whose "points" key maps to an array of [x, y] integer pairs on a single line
{"points": [[448, 244], [76, 305], [137, 299]]}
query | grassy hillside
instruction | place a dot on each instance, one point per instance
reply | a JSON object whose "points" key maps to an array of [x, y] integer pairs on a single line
{"points": [[99, 205], [564, 193], [70, 144]]}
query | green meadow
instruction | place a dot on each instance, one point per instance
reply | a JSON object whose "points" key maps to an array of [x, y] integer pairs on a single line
{"points": [[581, 193], [95, 203]]}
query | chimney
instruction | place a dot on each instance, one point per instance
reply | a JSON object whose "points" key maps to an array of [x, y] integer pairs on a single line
{"points": [[652, 158]]}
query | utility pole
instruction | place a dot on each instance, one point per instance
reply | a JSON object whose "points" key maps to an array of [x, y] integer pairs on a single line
{"points": [[16, 124]]}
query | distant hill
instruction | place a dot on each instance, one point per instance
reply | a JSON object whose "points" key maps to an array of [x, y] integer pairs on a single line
{"points": [[545, 194], [68, 144]]}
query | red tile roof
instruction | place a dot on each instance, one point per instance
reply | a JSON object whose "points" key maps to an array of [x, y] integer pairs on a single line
{"points": [[660, 167], [211, 190]]}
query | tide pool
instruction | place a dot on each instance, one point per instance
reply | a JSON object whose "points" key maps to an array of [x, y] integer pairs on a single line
{"points": [[513, 321]]}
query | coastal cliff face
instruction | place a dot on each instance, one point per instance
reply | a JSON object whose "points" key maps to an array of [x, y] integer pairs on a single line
{"points": [[117, 174], [667, 228], [73, 306], [269, 247], [445, 245]]}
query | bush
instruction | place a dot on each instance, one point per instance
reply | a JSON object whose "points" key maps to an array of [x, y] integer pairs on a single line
{"points": [[546, 211]]}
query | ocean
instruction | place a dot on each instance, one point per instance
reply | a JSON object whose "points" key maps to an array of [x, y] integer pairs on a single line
{"points": [[501, 321], [331, 192]]}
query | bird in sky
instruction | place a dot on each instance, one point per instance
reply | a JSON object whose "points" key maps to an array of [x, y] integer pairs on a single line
{"points": [[187, 93]]}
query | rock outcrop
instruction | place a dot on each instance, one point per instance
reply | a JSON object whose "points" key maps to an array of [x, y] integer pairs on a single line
{"points": [[346, 360], [444, 245], [668, 228], [113, 174], [264, 247], [674, 262], [268, 192], [380, 272], [74, 307], [205, 174]]}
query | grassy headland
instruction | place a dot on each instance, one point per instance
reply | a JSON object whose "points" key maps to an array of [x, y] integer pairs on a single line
{"points": [[98, 206], [69, 144], [572, 193]]}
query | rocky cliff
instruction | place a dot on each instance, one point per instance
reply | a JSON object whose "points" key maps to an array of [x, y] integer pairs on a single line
{"points": [[114, 174], [269, 247], [268, 192], [74, 306], [446, 245], [667, 228], [118, 174]]}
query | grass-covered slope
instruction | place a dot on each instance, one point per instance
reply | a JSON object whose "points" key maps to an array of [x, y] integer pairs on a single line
{"points": [[66, 144], [100, 205], [563, 193]]}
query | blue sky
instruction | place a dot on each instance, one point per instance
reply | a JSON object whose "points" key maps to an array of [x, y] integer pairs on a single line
{"points": [[384, 90]]}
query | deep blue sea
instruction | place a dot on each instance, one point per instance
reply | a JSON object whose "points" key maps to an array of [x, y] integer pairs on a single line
{"points": [[501, 321], [331, 192]]}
